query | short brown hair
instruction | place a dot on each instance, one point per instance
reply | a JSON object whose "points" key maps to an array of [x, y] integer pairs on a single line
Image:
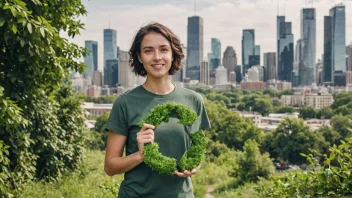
{"points": [[175, 44]]}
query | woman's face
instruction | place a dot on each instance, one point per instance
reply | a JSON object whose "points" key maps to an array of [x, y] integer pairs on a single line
{"points": [[156, 55]]}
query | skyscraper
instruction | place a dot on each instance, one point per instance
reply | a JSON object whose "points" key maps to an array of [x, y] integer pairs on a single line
{"points": [[238, 73], [110, 49], [126, 76], [349, 57], [327, 65], [284, 49], [194, 47], [216, 54], [254, 59], [204, 73], [229, 60], [308, 45], [91, 60], [270, 69], [248, 37], [338, 44], [111, 71]]}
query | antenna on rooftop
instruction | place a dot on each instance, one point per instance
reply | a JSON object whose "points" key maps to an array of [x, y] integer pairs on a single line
{"points": [[278, 8], [195, 6], [109, 20]]}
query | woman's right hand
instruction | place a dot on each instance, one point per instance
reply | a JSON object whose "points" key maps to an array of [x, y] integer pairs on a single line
{"points": [[145, 135]]}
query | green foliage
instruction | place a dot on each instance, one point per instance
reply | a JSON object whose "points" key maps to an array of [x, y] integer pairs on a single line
{"points": [[252, 164], [191, 158], [100, 133], [325, 113], [342, 104], [307, 113], [343, 125], [327, 181], [101, 100], [237, 131], [161, 113], [291, 138], [284, 109], [43, 122], [285, 92], [258, 103], [157, 161], [87, 181]]}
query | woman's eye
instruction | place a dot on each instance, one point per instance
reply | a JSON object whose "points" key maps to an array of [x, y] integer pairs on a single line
{"points": [[147, 51], [164, 50]]}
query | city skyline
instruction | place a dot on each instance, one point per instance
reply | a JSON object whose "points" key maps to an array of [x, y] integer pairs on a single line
{"points": [[216, 17]]}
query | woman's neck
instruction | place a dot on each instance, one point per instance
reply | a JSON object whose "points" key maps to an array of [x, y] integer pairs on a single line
{"points": [[161, 86]]}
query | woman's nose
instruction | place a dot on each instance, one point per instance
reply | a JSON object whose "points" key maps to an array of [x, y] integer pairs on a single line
{"points": [[157, 55]]}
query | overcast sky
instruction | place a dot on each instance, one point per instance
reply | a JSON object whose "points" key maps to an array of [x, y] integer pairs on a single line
{"points": [[223, 19]]}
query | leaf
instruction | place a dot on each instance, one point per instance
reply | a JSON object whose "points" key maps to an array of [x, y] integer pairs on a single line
{"points": [[21, 58], [29, 27], [2, 21], [22, 42], [42, 32], [13, 11], [14, 29]]}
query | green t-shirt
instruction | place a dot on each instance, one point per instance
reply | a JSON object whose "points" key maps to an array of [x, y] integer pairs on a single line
{"points": [[173, 138]]}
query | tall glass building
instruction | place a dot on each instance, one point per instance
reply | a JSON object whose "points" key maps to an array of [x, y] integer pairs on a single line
{"points": [[110, 50], [194, 47], [308, 45], [215, 60], [248, 37], [285, 49], [254, 60], [91, 60], [327, 65], [111, 73], [229, 60], [270, 66], [338, 44]]}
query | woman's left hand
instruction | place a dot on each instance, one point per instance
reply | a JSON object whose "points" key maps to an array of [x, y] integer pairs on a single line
{"points": [[187, 173]]}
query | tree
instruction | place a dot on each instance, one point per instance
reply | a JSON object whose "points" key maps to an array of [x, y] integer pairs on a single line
{"points": [[292, 137], [307, 113], [237, 130], [252, 164], [35, 62], [263, 106], [342, 125], [325, 113], [284, 109], [271, 92]]}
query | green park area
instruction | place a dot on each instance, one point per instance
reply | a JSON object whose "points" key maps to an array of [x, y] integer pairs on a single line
{"points": [[46, 150]]}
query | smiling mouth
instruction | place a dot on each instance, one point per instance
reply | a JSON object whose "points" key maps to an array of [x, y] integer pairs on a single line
{"points": [[157, 66]]}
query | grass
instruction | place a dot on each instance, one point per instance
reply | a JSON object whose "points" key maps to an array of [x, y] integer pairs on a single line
{"points": [[88, 181]]}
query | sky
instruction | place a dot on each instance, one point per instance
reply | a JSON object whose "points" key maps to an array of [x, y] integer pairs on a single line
{"points": [[223, 19]]}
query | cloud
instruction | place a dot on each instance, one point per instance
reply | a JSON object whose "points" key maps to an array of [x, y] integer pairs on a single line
{"points": [[223, 19]]}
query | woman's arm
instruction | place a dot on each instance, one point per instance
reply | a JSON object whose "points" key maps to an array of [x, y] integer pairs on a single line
{"points": [[114, 162]]}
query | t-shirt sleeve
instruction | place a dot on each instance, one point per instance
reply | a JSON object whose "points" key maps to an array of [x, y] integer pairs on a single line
{"points": [[202, 113], [117, 121]]}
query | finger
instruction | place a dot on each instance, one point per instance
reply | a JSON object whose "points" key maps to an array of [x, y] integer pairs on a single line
{"points": [[147, 137], [147, 126], [144, 141], [194, 170], [187, 172], [146, 133], [180, 174]]}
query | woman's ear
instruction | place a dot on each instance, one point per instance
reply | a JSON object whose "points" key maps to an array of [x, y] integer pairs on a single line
{"points": [[139, 58]]}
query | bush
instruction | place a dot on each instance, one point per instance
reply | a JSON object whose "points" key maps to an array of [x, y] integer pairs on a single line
{"points": [[327, 181]]}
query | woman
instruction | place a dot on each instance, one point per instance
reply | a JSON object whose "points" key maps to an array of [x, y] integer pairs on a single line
{"points": [[155, 53]]}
